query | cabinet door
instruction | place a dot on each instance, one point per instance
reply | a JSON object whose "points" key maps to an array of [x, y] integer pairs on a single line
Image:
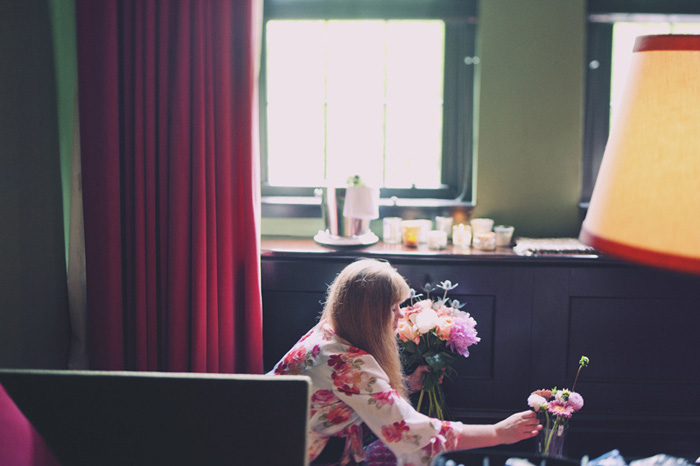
{"points": [[293, 293], [639, 327]]}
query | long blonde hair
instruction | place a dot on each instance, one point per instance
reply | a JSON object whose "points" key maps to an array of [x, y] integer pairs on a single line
{"points": [[359, 307]]}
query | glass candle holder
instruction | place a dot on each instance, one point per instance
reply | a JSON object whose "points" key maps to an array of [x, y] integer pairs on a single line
{"points": [[391, 233], [437, 239], [484, 241], [411, 230], [444, 224], [426, 226], [462, 235], [504, 235], [480, 225]]}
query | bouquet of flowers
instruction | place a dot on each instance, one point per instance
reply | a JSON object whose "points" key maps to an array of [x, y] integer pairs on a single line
{"points": [[434, 332], [554, 408]]}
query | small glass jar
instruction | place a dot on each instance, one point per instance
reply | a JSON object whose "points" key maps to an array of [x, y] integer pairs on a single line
{"points": [[411, 230], [437, 239], [392, 230], [444, 224], [480, 225], [484, 241], [504, 235], [462, 235]]}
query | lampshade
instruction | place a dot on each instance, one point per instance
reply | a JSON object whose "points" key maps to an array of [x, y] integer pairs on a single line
{"points": [[645, 205], [361, 202]]}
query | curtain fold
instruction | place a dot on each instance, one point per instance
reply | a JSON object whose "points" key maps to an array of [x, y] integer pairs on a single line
{"points": [[171, 184]]}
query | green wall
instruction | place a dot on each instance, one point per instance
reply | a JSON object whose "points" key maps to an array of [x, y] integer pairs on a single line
{"points": [[530, 126], [34, 323]]}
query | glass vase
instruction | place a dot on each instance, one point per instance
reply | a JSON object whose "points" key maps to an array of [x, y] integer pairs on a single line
{"points": [[550, 441]]}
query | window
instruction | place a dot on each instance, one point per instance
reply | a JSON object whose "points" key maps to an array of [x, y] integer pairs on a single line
{"points": [[613, 27], [382, 89]]}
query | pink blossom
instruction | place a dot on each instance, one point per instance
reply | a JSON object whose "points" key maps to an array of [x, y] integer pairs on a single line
{"points": [[536, 402], [575, 401], [407, 332], [444, 326], [560, 409], [462, 336]]}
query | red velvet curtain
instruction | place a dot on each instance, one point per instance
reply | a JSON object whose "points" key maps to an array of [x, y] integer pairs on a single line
{"points": [[170, 184]]}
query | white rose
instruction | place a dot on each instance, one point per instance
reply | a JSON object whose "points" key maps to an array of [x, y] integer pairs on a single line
{"points": [[426, 320], [536, 402]]}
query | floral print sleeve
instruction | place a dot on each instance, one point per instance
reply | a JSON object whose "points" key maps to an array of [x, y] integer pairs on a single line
{"points": [[349, 388], [414, 438]]}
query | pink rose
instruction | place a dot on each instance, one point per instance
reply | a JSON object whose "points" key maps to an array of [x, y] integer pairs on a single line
{"points": [[444, 326], [407, 331]]}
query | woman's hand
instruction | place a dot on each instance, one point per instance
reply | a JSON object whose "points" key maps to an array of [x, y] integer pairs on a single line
{"points": [[517, 427], [414, 382]]}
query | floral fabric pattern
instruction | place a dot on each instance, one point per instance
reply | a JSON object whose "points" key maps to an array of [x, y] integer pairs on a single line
{"points": [[349, 388]]}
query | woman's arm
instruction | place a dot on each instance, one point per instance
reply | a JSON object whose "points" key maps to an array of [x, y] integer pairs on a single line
{"points": [[517, 427]]}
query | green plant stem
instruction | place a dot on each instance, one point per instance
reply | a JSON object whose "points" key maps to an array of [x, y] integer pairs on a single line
{"points": [[576, 379], [549, 438], [420, 399]]}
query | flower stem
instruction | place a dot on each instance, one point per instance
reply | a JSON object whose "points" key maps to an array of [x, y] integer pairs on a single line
{"points": [[576, 379], [549, 438], [420, 399]]}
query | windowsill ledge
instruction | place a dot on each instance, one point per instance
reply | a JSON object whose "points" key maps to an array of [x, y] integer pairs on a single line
{"points": [[310, 207]]}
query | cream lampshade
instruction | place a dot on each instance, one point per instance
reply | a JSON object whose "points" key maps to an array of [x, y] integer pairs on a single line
{"points": [[645, 205]]}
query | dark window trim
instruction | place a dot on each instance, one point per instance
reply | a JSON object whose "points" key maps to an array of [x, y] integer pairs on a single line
{"points": [[597, 101], [460, 28]]}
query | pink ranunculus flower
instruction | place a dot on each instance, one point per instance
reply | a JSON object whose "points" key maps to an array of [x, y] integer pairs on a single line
{"points": [[444, 326], [575, 401], [407, 331]]}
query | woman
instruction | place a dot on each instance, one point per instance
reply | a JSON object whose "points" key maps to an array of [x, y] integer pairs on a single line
{"points": [[352, 358]]}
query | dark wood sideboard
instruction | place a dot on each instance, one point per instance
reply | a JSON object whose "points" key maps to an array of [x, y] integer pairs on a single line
{"points": [[536, 316]]}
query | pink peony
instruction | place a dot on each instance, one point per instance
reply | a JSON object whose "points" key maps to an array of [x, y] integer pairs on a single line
{"points": [[463, 335]]}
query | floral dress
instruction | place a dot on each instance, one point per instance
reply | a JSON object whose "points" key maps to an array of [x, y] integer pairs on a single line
{"points": [[350, 388]]}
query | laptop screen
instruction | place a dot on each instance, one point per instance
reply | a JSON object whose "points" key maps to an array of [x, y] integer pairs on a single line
{"points": [[143, 418]]}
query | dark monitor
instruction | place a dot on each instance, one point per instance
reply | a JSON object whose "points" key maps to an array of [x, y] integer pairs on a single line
{"points": [[157, 418]]}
